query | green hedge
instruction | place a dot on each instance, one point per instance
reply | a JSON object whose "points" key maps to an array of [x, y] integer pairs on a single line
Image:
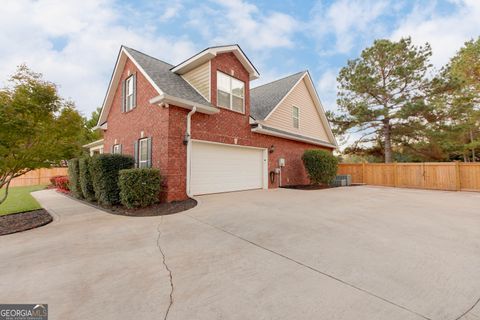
{"points": [[104, 169], [86, 182], [321, 166], [74, 178], [139, 187]]}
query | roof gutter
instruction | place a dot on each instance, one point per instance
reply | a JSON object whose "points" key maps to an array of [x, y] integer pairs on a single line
{"points": [[183, 103], [286, 135], [188, 140]]}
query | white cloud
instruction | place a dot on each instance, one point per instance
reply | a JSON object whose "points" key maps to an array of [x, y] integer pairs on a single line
{"points": [[327, 89], [347, 21], [74, 44], [446, 33], [238, 21]]}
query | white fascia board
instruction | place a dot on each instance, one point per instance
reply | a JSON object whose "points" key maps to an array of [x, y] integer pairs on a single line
{"points": [[119, 66], [93, 144], [183, 103], [210, 53], [262, 130], [320, 109]]}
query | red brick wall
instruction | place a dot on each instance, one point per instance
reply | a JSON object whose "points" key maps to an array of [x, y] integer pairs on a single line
{"points": [[126, 127], [167, 128], [225, 127]]}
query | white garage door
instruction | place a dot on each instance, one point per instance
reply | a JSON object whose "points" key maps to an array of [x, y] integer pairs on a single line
{"points": [[222, 168]]}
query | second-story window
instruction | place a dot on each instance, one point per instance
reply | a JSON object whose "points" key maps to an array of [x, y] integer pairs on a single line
{"points": [[295, 116], [129, 93], [230, 93]]}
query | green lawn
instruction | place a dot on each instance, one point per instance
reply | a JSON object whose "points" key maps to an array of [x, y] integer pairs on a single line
{"points": [[19, 200]]}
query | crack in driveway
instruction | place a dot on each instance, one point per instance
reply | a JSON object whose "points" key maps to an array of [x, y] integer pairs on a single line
{"points": [[468, 310], [166, 267], [313, 269]]}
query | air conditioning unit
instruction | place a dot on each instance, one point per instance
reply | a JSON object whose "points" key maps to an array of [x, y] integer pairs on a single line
{"points": [[342, 181]]}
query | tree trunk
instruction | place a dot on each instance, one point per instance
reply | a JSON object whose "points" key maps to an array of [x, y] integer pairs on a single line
{"points": [[7, 185], [473, 149], [388, 141]]}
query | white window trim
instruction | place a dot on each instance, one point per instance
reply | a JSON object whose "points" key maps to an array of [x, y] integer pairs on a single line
{"points": [[116, 149], [127, 96], [297, 117], [140, 161], [232, 94]]}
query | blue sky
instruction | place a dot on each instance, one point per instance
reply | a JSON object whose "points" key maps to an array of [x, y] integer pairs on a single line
{"points": [[75, 43]]}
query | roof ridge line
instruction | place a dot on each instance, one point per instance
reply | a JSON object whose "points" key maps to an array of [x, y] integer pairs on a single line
{"points": [[145, 54], [291, 75]]}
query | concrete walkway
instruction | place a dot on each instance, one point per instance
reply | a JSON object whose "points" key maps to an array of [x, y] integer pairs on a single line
{"points": [[346, 253]]}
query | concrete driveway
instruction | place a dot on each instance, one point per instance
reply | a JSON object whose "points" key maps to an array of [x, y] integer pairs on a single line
{"points": [[345, 253]]}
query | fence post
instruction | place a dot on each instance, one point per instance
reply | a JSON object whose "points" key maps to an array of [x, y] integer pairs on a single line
{"points": [[458, 182], [395, 175], [39, 176], [423, 175], [363, 172]]}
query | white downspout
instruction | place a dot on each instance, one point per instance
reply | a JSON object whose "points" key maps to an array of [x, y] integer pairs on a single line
{"points": [[189, 147]]}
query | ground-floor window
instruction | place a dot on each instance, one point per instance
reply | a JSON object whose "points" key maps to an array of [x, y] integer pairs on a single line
{"points": [[117, 149], [143, 153]]}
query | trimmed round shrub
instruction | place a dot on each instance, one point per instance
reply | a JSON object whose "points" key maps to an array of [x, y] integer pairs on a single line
{"points": [[86, 182], [52, 180], [139, 187], [321, 166], [74, 178], [104, 169], [61, 183]]}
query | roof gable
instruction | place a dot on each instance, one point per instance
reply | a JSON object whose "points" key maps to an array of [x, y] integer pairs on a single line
{"points": [[157, 72], [267, 98], [264, 98], [209, 53]]}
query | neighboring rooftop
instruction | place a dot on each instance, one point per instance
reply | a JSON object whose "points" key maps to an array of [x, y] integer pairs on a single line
{"points": [[267, 96]]}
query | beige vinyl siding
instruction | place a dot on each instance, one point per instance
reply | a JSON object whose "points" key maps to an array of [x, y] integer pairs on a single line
{"points": [[199, 78], [310, 124]]}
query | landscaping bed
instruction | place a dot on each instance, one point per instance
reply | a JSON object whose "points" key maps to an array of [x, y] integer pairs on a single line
{"points": [[22, 221], [307, 187], [158, 209]]}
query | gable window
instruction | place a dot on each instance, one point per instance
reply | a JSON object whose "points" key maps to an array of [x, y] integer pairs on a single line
{"points": [[230, 92], [295, 116], [143, 153], [117, 149], [129, 93]]}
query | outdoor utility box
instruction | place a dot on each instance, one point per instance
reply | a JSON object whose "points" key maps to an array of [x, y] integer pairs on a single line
{"points": [[342, 180], [281, 162]]}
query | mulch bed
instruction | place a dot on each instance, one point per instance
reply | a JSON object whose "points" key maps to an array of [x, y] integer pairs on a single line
{"points": [[159, 209], [307, 187], [22, 221]]}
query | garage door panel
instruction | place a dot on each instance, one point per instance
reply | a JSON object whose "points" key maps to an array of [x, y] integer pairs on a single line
{"points": [[222, 168]]}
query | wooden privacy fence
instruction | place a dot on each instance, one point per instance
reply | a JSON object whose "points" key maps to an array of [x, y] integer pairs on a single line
{"points": [[36, 177], [454, 176]]}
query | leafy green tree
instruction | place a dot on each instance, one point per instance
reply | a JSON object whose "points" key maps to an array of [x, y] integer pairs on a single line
{"points": [[464, 110], [38, 128], [381, 92], [92, 134]]}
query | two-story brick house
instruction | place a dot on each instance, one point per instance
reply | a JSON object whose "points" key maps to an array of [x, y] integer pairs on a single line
{"points": [[205, 129]]}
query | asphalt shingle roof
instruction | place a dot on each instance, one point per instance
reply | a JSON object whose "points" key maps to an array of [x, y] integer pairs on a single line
{"points": [[266, 97], [262, 98], [169, 82]]}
